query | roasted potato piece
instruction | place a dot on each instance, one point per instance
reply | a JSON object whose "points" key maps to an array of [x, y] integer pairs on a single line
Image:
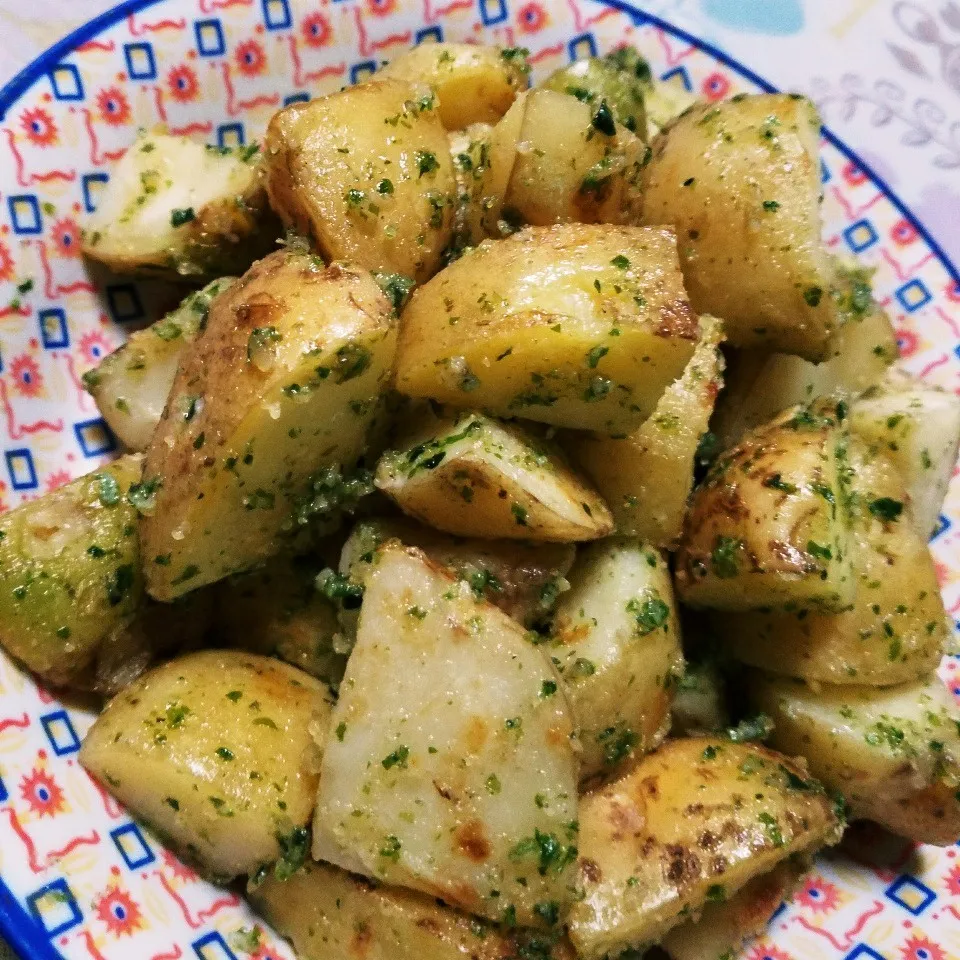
{"points": [[367, 173], [698, 819], [740, 182], [522, 579], [917, 427], [699, 701], [217, 752], [770, 524], [893, 753], [70, 572], [132, 384], [176, 206], [477, 477], [472, 83], [616, 642], [277, 391], [321, 909], [278, 611], [893, 632], [574, 163], [576, 325], [646, 477], [437, 675]]}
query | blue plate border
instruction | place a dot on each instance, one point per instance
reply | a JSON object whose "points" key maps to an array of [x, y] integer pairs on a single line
{"points": [[18, 927]]}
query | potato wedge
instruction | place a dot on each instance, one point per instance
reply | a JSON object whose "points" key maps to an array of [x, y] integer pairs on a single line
{"points": [[278, 611], [770, 524], [576, 325], [278, 391], [522, 579], [457, 777], [367, 173], [132, 384], [917, 427], [574, 164], [740, 182], [698, 819], [329, 914], [216, 752], [893, 753], [646, 477], [472, 83], [895, 630], [699, 701], [70, 572], [615, 640], [178, 207], [476, 477]]}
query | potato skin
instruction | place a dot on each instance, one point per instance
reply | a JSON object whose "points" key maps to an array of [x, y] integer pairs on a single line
{"points": [[616, 641], [770, 526], [366, 172], [895, 630], [327, 913], [472, 83], [216, 752], [740, 182], [696, 814], [893, 753], [281, 385], [647, 476], [549, 324], [476, 477], [70, 572]]}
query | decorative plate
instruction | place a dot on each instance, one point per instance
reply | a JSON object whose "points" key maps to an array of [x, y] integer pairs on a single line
{"points": [[80, 879]]}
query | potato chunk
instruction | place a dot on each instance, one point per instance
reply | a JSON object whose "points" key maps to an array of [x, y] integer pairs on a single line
{"points": [[175, 206], [479, 478], [893, 753], [326, 913], [132, 384], [70, 572], [450, 766], [895, 629], [576, 325], [740, 182], [216, 751], [917, 427], [279, 388], [616, 642], [700, 701], [472, 83], [646, 477], [769, 526], [366, 172], [698, 818]]}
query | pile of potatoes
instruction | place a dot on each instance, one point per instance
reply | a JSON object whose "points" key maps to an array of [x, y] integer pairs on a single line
{"points": [[472, 537]]}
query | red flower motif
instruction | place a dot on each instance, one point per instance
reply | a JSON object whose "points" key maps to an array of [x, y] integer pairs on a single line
{"points": [[6, 263], [818, 896], [66, 238], [179, 870], [94, 347], [251, 58], [907, 341], [57, 479], [903, 232], [316, 30], [953, 292], [918, 947], [952, 880], [42, 794], [716, 86], [854, 175], [119, 912], [531, 18], [380, 8], [762, 951], [27, 379], [182, 83], [113, 106], [39, 127]]}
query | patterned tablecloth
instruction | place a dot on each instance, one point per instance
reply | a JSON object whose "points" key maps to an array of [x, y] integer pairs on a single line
{"points": [[885, 73]]}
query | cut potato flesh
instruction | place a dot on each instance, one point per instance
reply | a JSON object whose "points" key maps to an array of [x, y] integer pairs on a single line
{"points": [[576, 325], [450, 766], [216, 752], [700, 701], [699, 818], [479, 478]]}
